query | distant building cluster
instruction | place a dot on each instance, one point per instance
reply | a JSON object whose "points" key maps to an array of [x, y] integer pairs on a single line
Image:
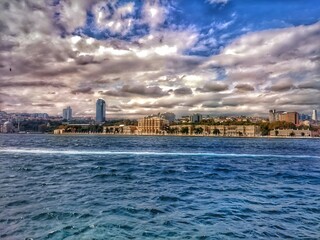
{"points": [[10, 122], [167, 123], [4, 116], [292, 117], [100, 112]]}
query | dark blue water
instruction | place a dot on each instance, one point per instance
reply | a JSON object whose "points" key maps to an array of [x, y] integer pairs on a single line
{"points": [[102, 187]]}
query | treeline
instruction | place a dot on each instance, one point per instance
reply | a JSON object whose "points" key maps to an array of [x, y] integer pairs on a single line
{"points": [[82, 129], [266, 127], [118, 122], [43, 126], [97, 128], [225, 123]]}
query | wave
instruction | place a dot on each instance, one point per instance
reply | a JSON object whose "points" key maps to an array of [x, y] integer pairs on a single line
{"points": [[147, 153]]}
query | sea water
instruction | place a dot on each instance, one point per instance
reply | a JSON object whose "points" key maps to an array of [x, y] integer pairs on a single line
{"points": [[126, 187]]}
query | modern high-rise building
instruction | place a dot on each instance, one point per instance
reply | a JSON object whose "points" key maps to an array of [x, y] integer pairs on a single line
{"points": [[171, 117], [272, 115], [196, 118], [67, 113], [314, 115], [275, 115], [304, 117], [292, 117], [100, 111]]}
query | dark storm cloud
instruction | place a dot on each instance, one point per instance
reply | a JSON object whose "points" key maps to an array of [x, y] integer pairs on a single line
{"points": [[304, 99], [237, 74], [114, 93], [171, 80], [43, 105], [3, 97], [310, 85], [54, 71], [153, 105], [22, 84], [85, 59], [40, 58], [239, 101], [7, 45], [86, 90], [107, 80], [167, 103], [281, 87], [134, 64], [213, 87], [138, 90], [4, 94], [211, 105], [183, 91], [114, 109], [244, 87], [154, 91]]}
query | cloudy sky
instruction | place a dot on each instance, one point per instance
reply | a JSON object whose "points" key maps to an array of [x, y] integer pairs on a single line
{"points": [[217, 57]]}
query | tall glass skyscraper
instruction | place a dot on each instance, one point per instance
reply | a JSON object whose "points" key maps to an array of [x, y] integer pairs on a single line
{"points": [[67, 113], [314, 115], [100, 111]]}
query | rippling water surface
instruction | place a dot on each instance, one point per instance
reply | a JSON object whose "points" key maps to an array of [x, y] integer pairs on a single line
{"points": [[105, 187]]}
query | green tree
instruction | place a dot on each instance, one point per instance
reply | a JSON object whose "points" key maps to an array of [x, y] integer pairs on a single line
{"points": [[184, 130], [264, 129], [198, 130], [42, 128], [171, 130], [216, 131]]}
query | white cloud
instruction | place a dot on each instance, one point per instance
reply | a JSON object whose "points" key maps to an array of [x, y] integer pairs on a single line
{"points": [[260, 67], [72, 14], [217, 1], [154, 14], [116, 19], [269, 55]]}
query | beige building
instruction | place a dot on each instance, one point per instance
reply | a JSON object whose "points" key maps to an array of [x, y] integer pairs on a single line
{"points": [[236, 130], [292, 133], [59, 131], [152, 125], [222, 130], [122, 129]]}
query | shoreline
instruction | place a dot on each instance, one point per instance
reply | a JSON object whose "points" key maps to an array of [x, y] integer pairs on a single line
{"points": [[162, 135], [181, 135]]}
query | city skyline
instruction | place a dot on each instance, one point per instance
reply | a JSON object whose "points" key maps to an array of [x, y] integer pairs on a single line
{"points": [[218, 57]]}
